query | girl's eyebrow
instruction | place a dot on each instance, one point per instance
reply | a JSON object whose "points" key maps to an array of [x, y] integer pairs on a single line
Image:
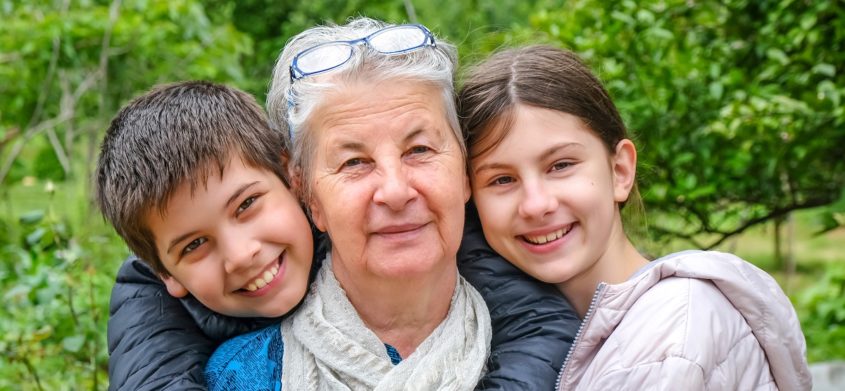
{"points": [[551, 150]]}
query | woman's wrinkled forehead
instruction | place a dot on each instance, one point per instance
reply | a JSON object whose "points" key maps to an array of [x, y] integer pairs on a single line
{"points": [[378, 104]]}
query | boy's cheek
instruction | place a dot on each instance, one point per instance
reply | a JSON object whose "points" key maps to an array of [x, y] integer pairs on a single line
{"points": [[174, 288]]}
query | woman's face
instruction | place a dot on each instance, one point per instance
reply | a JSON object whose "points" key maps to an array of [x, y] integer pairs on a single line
{"points": [[388, 180], [547, 194]]}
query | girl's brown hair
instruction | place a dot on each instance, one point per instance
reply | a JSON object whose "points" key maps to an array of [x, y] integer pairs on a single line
{"points": [[540, 76]]}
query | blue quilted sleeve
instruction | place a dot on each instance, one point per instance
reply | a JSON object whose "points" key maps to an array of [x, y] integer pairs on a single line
{"points": [[250, 362]]}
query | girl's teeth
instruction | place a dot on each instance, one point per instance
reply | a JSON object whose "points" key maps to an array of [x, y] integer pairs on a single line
{"points": [[260, 283], [543, 239], [251, 287]]}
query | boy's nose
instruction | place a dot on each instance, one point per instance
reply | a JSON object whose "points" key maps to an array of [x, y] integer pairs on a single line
{"points": [[240, 254]]}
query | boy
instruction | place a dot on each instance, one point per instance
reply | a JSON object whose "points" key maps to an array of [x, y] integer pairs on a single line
{"points": [[193, 179]]}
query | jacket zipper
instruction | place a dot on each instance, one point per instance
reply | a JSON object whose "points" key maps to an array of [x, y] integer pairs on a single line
{"points": [[590, 310]]}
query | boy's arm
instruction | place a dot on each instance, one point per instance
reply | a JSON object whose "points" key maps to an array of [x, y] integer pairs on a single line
{"points": [[157, 341], [533, 325]]}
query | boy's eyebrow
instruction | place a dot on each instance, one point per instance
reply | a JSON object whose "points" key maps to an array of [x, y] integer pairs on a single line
{"points": [[231, 199], [176, 241], [238, 192]]}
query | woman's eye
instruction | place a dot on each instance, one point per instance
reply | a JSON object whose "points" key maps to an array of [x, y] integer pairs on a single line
{"points": [[502, 180], [246, 204], [353, 162], [419, 149], [193, 245]]}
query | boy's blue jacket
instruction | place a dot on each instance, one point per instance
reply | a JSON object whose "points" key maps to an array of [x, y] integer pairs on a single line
{"points": [[159, 342]]}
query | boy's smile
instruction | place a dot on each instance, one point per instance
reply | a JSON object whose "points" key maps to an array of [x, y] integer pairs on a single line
{"points": [[240, 243], [261, 284]]}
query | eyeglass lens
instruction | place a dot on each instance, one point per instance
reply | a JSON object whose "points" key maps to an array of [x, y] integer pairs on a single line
{"points": [[391, 40], [397, 39], [324, 57]]}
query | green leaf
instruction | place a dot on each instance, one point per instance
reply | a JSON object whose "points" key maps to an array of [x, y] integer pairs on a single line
{"points": [[74, 343], [32, 217], [777, 55], [824, 69], [35, 237]]}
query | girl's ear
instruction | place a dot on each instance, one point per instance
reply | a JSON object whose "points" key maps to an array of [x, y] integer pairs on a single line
{"points": [[624, 165], [175, 288]]}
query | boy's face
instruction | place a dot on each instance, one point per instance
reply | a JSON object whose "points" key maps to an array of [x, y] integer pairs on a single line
{"points": [[241, 244]]}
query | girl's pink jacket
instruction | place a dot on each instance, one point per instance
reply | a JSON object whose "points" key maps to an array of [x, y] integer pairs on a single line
{"points": [[694, 320]]}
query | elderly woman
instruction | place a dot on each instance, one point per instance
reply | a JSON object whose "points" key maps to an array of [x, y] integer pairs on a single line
{"points": [[378, 156], [368, 113]]}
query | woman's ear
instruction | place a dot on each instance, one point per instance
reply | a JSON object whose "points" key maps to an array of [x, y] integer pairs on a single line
{"points": [[284, 158], [295, 175], [624, 165], [175, 288], [317, 215]]}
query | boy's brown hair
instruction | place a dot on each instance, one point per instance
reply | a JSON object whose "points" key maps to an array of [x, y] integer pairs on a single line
{"points": [[172, 135]]}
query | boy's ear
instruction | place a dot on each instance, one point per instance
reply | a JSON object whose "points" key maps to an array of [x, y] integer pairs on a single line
{"points": [[624, 164], [175, 288]]}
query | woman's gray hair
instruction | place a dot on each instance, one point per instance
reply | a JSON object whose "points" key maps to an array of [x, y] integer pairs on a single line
{"points": [[290, 105]]}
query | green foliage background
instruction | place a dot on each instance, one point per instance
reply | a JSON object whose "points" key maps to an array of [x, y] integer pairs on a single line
{"points": [[736, 107]]}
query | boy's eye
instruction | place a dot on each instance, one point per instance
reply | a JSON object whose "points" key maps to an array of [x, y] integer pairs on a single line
{"points": [[193, 245], [245, 205]]}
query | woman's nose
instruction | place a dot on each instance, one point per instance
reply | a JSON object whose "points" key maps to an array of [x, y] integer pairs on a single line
{"points": [[536, 201], [395, 189]]}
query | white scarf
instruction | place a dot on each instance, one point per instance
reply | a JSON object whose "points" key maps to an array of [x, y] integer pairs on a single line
{"points": [[327, 346]]}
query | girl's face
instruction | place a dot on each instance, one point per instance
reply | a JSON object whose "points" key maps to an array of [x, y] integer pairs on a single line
{"points": [[547, 195]]}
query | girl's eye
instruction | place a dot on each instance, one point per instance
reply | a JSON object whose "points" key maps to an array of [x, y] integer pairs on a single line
{"points": [[502, 180], [245, 205], [193, 245], [560, 166]]}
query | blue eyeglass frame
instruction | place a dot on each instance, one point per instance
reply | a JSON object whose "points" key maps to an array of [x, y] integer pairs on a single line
{"points": [[297, 74]]}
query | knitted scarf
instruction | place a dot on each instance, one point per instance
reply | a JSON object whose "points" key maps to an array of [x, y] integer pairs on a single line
{"points": [[327, 346]]}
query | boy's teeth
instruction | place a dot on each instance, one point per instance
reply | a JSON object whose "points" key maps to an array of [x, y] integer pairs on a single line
{"points": [[263, 279]]}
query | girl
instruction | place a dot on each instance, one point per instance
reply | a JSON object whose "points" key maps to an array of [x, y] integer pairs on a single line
{"points": [[551, 168]]}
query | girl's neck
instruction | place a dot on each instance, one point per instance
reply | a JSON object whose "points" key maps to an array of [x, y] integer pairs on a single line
{"points": [[618, 263], [402, 313]]}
